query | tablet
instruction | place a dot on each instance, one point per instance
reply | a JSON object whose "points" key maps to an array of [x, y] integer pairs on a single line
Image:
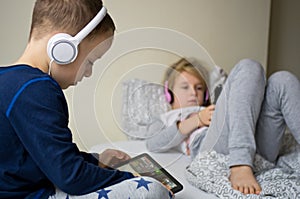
{"points": [[145, 165]]}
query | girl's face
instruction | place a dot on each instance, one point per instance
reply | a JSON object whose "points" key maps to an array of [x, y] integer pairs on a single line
{"points": [[188, 91]]}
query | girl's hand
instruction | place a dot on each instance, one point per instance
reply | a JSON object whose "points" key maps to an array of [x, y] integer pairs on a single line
{"points": [[205, 115], [111, 157]]}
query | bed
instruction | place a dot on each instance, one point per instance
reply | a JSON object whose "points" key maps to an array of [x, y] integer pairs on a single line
{"points": [[207, 175]]}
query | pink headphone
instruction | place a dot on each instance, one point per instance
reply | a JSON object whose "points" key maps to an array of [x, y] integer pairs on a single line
{"points": [[168, 93], [170, 98]]}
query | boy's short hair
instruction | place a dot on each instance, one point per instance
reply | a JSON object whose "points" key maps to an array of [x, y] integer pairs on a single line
{"points": [[68, 16]]}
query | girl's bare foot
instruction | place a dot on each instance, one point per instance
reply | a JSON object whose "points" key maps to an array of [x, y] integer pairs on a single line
{"points": [[243, 180]]}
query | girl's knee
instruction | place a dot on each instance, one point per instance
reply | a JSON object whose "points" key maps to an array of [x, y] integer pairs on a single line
{"points": [[283, 83], [250, 65], [283, 78], [249, 69]]}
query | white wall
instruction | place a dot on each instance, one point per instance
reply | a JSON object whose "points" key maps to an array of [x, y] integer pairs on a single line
{"points": [[284, 45], [228, 29], [15, 17]]}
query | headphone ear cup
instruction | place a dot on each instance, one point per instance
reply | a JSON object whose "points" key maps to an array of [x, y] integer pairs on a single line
{"points": [[168, 93], [62, 48], [171, 96], [206, 98]]}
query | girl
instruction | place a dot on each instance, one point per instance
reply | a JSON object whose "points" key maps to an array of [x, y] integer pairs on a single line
{"points": [[250, 116], [185, 125]]}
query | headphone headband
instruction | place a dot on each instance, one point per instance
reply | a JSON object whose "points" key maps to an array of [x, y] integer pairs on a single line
{"points": [[91, 25], [62, 47]]}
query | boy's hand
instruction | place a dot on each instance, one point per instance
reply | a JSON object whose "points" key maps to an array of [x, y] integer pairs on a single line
{"points": [[111, 157], [206, 114]]}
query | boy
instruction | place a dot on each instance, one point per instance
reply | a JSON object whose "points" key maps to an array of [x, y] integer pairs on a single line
{"points": [[36, 149]]}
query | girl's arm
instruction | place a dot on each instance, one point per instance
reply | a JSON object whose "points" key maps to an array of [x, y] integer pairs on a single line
{"points": [[166, 137], [163, 137], [196, 120]]}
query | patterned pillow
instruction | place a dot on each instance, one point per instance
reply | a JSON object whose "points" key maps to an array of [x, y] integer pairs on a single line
{"points": [[142, 101]]}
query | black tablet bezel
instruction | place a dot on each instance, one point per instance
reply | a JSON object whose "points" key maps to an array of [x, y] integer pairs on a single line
{"points": [[175, 189]]}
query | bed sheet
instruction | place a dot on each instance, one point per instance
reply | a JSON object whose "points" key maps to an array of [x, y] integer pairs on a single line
{"points": [[209, 172]]}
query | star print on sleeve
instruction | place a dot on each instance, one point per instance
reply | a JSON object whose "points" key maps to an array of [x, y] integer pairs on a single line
{"points": [[143, 183], [103, 194]]}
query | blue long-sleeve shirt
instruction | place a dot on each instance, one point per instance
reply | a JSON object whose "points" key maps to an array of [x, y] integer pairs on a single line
{"points": [[36, 148]]}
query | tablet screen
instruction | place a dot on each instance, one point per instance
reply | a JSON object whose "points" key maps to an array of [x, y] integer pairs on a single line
{"points": [[144, 165]]}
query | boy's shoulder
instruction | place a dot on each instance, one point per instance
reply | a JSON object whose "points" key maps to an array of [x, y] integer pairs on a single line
{"points": [[20, 74], [17, 77], [17, 69], [14, 80]]}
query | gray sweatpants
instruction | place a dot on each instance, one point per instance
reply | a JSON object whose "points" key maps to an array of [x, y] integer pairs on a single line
{"points": [[251, 112]]}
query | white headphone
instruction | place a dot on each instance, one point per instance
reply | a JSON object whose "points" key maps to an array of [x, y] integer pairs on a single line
{"points": [[62, 47]]}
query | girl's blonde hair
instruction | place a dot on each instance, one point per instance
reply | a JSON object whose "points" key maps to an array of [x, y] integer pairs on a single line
{"points": [[183, 65]]}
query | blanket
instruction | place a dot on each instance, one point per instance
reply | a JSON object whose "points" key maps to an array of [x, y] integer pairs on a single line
{"points": [[209, 172]]}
